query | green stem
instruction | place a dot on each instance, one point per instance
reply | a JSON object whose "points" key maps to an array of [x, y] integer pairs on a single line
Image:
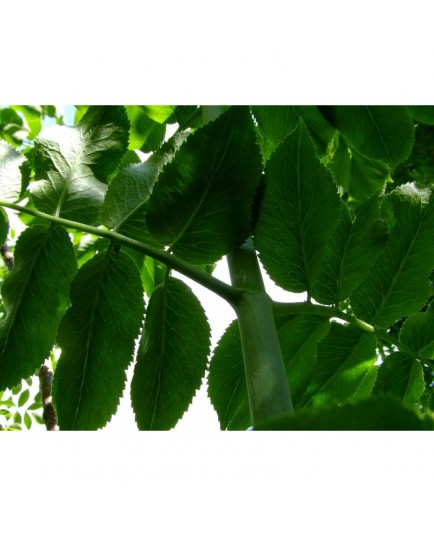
{"points": [[308, 308], [267, 383], [225, 291]]}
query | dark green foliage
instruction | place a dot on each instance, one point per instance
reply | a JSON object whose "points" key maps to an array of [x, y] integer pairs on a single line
{"points": [[339, 203], [36, 295], [172, 356], [299, 212], [201, 205], [376, 413], [97, 340]]}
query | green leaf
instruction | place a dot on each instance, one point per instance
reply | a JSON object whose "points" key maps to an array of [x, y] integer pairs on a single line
{"points": [[38, 418], [160, 114], [145, 134], [17, 388], [34, 407], [17, 418], [201, 204], [352, 249], [35, 294], [398, 285], [33, 115], [344, 357], [298, 336], [424, 114], [24, 396], [227, 387], [188, 116], [4, 226], [210, 113], [172, 357], [380, 132], [27, 421], [367, 384], [417, 333], [75, 162], [124, 208], [358, 175], [374, 413], [276, 122], [12, 128], [10, 174], [299, 212], [105, 131], [401, 375], [125, 205], [97, 340]]}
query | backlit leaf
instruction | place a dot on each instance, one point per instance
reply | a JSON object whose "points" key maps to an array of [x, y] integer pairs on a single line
{"points": [[74, 163], [380, 132], [418, 333], [172, 357], [125, 205], [10, 174], [36, 294], [344, 357], [298, 215], [351, 251], [96, 337], [299, 337], [402, 376], [398, 285], [374, 413], [24, 396], [201, 204], [424, 114]]}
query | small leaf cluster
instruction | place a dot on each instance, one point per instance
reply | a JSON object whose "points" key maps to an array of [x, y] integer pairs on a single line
{"points": [[21, 406]]}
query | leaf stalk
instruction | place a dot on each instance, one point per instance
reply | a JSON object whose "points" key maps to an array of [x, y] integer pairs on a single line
{"points": [[225, 291]]}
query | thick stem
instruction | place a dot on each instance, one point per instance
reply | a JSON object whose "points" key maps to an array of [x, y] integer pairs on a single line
{"points": [[267, 384]]}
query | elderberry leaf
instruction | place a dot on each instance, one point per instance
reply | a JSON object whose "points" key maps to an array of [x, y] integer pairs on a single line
{"points": [[172, 356], [36, 294], [96, 337], [299, 212]]}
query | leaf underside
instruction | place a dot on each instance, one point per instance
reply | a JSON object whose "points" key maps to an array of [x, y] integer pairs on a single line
{"points": [[96, 337], [36, 294], [172, 356]]}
